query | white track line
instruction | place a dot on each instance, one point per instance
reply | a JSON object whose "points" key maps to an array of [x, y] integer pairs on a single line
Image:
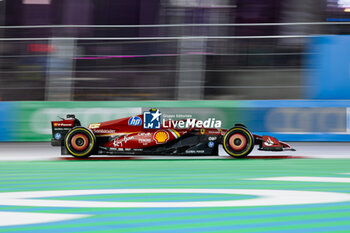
{"points": [[307, 179], [264, 197], [23, 218]]}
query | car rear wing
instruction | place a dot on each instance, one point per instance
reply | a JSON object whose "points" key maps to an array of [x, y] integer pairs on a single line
{"points": [[61, 128]]}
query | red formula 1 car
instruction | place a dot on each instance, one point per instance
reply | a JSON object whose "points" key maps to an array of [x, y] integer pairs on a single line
{"points": [[147, 134]]}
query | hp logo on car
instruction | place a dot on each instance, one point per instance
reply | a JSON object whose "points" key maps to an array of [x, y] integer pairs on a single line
{"points": [[135, 121]]}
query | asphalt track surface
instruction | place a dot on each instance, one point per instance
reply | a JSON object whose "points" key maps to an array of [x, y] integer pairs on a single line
{"points": [[274, 192]]}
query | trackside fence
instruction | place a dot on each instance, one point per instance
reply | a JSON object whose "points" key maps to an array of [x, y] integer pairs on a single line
{"points": [[289, 120]]}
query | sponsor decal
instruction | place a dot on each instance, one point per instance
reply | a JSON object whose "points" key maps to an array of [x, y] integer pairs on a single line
{"points": [[174, 133], [195, 151], [135, 121], [202, 131], [58, 136], [161, 137], [268, 142], [120, 141], [152, 119], [62, 125], [145, 141], [211, 144], [217, 132], [94, 126], [104, 131], [212, 138], [143, 134], [145, 138]]}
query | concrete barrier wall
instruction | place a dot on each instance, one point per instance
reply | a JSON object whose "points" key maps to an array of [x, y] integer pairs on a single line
{"points": [[289, 120]]}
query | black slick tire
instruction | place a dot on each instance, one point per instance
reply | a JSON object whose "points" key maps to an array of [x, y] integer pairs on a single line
{"points": [[238, 142], [80, 142]]}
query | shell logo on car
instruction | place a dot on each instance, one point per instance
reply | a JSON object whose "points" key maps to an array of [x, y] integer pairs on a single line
{"points": [[161, 136]]}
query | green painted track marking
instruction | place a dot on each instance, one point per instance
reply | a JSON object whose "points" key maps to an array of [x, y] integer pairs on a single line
{"points": [[207, 174]]}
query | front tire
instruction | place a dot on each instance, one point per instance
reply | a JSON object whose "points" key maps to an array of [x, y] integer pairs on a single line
{"points": [[80, 142], [238, 142]]}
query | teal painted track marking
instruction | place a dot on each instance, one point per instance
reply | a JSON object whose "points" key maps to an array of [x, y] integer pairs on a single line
{"points": [[208, 174]]}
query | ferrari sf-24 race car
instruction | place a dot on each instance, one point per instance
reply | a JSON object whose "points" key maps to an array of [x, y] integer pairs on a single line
{"points": [[146, 134]]}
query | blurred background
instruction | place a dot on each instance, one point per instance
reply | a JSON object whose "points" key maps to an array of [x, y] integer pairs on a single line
{"points": [[281, 67], [63, 50], [278, 66]]}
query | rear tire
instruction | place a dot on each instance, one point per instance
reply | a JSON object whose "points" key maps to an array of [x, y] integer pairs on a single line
{"points": [[80, 142], [238, 142]]}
